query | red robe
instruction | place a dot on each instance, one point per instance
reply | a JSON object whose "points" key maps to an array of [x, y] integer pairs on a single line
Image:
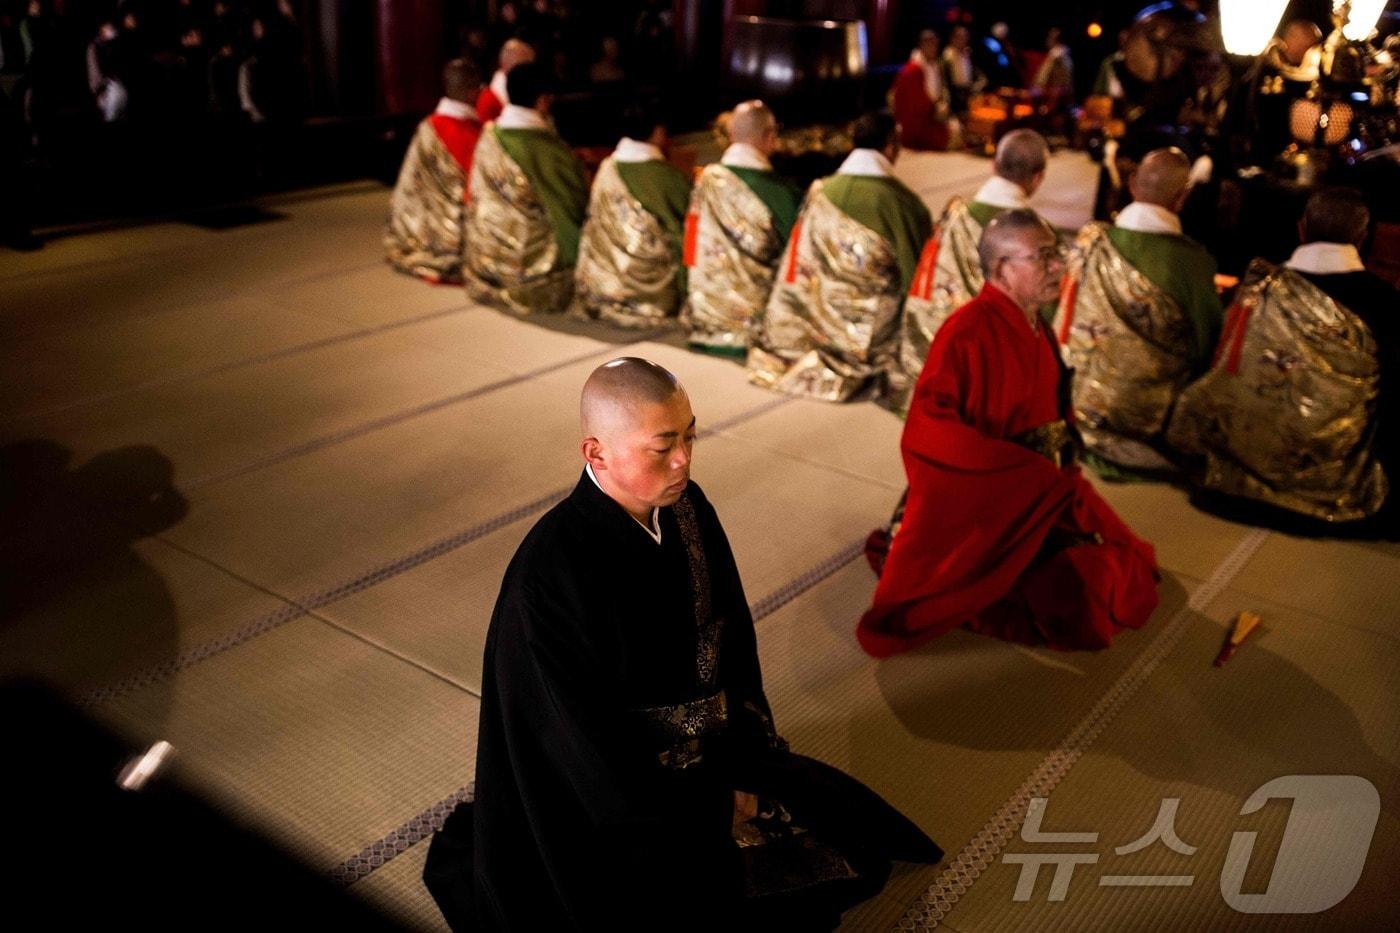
{"points": [[488, 105], [459, 137], [980, 506], [920, 126]]}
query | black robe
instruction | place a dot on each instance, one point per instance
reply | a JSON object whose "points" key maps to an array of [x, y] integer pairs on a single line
{"points": [[622, 705]]}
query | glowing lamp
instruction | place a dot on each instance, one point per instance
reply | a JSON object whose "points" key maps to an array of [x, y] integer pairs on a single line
{"points": [[1095, 30], [1309, 123], [1246, 26], [1365, 15]]}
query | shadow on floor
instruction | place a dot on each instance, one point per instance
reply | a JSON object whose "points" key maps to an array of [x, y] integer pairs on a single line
{"points": [[603, 331], [79, 606]]}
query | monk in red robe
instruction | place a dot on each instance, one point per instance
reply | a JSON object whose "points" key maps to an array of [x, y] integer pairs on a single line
{"points": [[921, 98], [1001, 533]]}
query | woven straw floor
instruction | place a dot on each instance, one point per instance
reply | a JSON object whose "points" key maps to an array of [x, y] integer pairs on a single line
{"points": [[349, 458]]}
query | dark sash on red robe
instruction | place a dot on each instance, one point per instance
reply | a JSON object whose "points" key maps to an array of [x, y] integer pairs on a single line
{"points": [[459, 137], [996, 536]]}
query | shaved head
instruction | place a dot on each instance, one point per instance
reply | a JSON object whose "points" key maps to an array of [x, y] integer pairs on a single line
{"points": [[1162, 178], [751, 122], [638, 431], [617, 390], [515, 52], [460, 80], [1021, 157]]}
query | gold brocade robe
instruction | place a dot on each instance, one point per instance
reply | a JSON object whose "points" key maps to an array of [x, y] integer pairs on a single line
{"points": [[734, 250], [948, 276], [423, 236], [1129, 345], [829, 330], [511, 258], [1286, 413], [626, 267]]}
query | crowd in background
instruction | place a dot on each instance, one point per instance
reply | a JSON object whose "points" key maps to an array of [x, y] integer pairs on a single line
{"points": [[149, 63], [582, 45]]}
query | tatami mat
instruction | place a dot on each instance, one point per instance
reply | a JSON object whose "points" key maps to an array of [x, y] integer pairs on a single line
{"points": [[781, 517], [91, 362], [945, 732], [1304, 697], [135, 605], [376, 447], [397, 889], [1065, 198], [307, 523], [860, 440], [323, 741], [224, 422]]}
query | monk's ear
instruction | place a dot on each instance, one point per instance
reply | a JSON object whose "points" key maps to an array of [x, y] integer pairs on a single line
{"points": [[592, 450]]}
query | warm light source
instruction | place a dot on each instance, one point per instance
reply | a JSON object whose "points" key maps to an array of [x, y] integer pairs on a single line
{"points": [[1365, 14], [1095, 30], [1248, 25], [1310, 124]]}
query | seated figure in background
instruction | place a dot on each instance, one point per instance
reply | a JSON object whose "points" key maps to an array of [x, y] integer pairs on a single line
{"points": [[1138, 319], [628, 772], [831, 327], [527, 196], [495, 97], [1298, 409], [922, 101], [948, 274], [1001, 533], [427, 210], [741, 214], [629, 261]]}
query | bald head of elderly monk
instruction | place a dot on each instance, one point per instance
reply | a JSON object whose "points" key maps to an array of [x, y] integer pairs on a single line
{"points": [[638, 434], [1163, 178]]}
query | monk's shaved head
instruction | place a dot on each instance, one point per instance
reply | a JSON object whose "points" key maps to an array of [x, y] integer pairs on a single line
{"points": [[515, 52], [461, 80], [1021, 157], [1162, 178], [616, 391], [751, 122]]}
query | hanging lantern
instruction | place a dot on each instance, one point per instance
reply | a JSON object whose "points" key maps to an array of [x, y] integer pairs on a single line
{"points": [[1248, 25], [1365, 15]]}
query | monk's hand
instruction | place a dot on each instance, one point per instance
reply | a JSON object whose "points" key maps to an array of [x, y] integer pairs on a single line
{"points": [[745, 807]]}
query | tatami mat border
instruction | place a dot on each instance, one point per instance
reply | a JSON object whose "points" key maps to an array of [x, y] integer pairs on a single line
{"points": [[383, 851], [258, 360], [943, 895], [295, 608], [407, 414]]}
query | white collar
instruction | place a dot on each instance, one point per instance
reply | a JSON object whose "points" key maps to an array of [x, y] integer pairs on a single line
{"points": [[498, 87], [745, 155], [1003, 193], [654, 531], [866, 162], [456, 109], [1148, 218], [1326, 258], [522, 118], [933, 75], [632, 150]]}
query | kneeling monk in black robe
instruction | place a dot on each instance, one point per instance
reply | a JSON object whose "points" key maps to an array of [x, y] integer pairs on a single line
{"points": [[628, 775]]}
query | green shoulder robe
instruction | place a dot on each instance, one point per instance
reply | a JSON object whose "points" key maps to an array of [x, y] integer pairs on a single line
{"points": [[886, 206], [556, 176]]}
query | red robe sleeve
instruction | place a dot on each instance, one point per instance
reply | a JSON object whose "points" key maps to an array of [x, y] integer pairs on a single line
{"points": [[488, 105]]}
